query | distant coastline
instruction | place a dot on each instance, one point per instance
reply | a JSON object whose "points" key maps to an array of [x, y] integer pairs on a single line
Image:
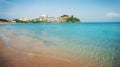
{"points": [[43, 19]]}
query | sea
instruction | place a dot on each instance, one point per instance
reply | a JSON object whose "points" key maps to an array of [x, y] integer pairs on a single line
{"points": [[96, 44]]}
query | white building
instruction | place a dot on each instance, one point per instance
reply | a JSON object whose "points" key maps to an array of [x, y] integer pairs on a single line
{"points": [[51, 19], [26, 19], [43, 18]]}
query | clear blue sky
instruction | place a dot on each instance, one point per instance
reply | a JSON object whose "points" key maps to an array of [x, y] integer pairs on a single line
{"points": [[86, 10]]}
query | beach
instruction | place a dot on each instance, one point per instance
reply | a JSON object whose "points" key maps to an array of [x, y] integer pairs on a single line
{"points": [[15, 55], [59, 45], [10, 58]]}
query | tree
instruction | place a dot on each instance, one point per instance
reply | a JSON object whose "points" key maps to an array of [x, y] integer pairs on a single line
{"points": [[19, 21], [73, 19], [4, 20]]}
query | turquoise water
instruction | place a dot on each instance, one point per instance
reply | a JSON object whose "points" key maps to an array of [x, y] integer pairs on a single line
{"points": [[86, 41]]}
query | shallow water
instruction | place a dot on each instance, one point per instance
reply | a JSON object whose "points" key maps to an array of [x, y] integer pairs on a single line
{"points": [[94, 44]]}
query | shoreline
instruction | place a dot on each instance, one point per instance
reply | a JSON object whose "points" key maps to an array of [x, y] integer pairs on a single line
{"points": [[9, 58], [16, 53]]}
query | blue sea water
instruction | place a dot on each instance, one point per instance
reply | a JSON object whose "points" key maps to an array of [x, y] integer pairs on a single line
{"points": [[86, 41]]}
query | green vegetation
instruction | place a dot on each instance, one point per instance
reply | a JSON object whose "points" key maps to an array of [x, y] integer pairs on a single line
{"points": [[73, 19], [68, 19], [19, 21], [3, 20]]}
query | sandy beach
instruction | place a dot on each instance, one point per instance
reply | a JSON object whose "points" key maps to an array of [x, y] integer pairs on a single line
{"points": [[21, 47], [10, 58], [18, 53]]}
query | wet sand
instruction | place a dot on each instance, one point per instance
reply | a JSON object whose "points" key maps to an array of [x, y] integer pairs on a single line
{"points": [[18, 54], [10, 58]]}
